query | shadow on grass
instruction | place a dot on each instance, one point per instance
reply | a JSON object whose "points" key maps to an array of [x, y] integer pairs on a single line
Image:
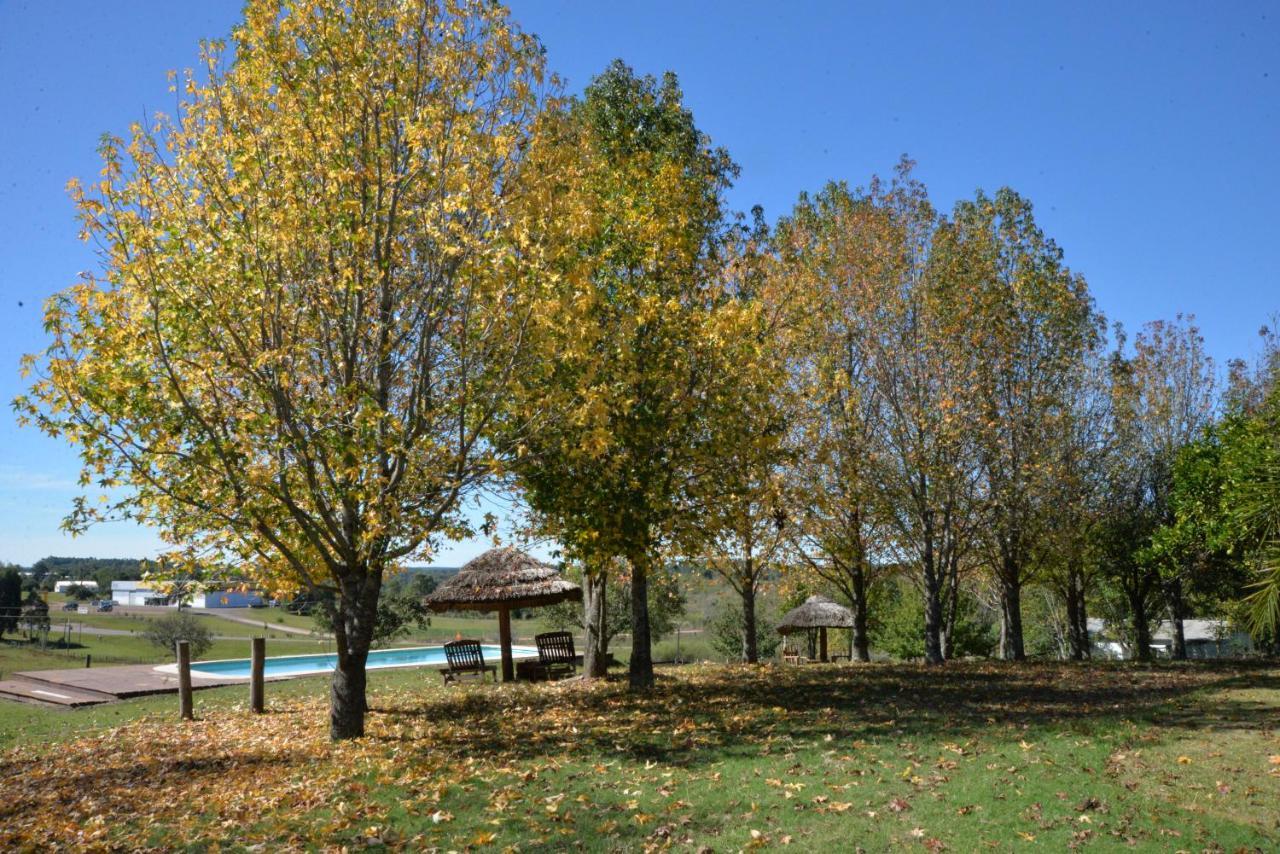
{"points": [[708, 714]]}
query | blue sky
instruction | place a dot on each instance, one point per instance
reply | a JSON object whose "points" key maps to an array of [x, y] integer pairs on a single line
{"points": [[1147, 135]]}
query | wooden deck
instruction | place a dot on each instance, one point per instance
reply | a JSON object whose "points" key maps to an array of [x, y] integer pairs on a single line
{"points": [[88, 686]]}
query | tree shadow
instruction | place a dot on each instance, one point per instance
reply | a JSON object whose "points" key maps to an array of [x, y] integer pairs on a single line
{"points": [[734, 710]]}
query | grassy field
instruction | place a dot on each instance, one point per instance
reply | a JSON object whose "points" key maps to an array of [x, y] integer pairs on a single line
{"points": [[970, 757]]}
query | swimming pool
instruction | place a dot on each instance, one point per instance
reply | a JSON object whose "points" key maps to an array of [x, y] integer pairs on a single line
{"points": [[302, 665]]}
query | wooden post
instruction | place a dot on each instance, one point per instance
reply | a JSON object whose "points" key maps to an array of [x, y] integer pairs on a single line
{"points": [[87, 659], [822, 641], [504, 636], [184, 680], [257, 688]]}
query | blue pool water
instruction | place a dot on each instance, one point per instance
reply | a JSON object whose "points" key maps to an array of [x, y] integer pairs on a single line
{"points": [[297, 665]]}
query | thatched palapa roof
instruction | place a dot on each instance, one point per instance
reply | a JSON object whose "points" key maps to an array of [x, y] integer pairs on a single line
{"points": [[817, 612], [502, 578]]}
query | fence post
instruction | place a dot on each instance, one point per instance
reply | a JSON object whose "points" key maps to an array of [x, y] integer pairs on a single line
{"points": [[184, 680], [87, 659], [256, 676]]}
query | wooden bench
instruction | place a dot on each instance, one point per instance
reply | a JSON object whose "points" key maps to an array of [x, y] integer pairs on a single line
{"points": [[466, 658], [557, 658]]}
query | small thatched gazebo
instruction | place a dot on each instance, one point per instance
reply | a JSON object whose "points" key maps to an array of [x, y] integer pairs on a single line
{"points": [[820, 613], [499, 580]]}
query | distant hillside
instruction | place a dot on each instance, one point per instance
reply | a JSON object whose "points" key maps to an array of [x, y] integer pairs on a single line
{"points": [[440, 572]]}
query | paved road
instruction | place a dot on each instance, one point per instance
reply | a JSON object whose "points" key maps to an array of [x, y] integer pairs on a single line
{"points": [[274, 627], [99, 631]]}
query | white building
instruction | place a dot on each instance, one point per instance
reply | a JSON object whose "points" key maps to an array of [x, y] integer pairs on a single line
{"points": [[1204, 638], [133, 593], [138, 593], [61, 586]]}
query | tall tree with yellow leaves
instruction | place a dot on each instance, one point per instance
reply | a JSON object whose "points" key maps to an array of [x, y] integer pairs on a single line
{"points": [[310, 301], [641, 339], [841, 251]]}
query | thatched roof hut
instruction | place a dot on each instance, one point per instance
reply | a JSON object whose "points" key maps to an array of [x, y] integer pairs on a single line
{"points": [[499, 580], [817, 613]]}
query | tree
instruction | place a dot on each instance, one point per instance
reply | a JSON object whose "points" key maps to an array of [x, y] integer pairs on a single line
{"points": [[926, 472], [10, 600], [1076, 489], [400, 609], [839, 249], [80, 593], [1250, 503], [642, 345], [165, 632], [898, 629], [729, 635], [311, 300], [666, 607], [1163, 399], [1029, 328], [1193, 545], [745, 498], [34, 618]]}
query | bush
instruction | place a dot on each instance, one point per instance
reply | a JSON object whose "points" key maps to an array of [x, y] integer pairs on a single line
{"points": [[166, 631], [80, 593], [898, 624], [728, 636]]}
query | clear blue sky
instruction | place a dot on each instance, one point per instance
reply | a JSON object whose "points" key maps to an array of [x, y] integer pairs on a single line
{"points": [[1147, 135]]}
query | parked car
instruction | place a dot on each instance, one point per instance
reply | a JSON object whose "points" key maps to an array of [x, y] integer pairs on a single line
{"points": [[70, 606], [105, 605]]}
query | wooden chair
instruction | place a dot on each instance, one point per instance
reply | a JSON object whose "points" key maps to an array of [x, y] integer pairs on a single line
{"points": [[466, 658], [791, 655], [556, 656]]}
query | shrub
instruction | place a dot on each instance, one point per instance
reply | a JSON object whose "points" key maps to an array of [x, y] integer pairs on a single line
{"points": [[166, 631], [80, 593], [728, 635]]}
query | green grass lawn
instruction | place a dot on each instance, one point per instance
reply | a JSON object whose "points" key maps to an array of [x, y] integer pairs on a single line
{"points": [[969, 757]]}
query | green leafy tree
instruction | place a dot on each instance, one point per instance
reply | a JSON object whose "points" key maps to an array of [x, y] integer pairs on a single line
{"points": [[1163, 397], [898, 628], [1250, 499], [80, 593], [10, 600], [666, 606], [400, 611], [643, 345], [729, 636], [165, 632]]}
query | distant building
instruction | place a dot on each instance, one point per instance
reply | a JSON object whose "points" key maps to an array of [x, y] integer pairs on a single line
{"points": [[1204, 638], [133, 593], [61, 586], [139, 593]]}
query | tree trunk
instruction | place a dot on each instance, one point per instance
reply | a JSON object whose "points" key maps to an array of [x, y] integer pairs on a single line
{"points": [[1075, 642], [357, 607], [1082, 610], [859, 644], [595, 657], [640, 673], [750, 650], [1011, 647], [1177, 612], [1141, 627], [933, 650]]}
